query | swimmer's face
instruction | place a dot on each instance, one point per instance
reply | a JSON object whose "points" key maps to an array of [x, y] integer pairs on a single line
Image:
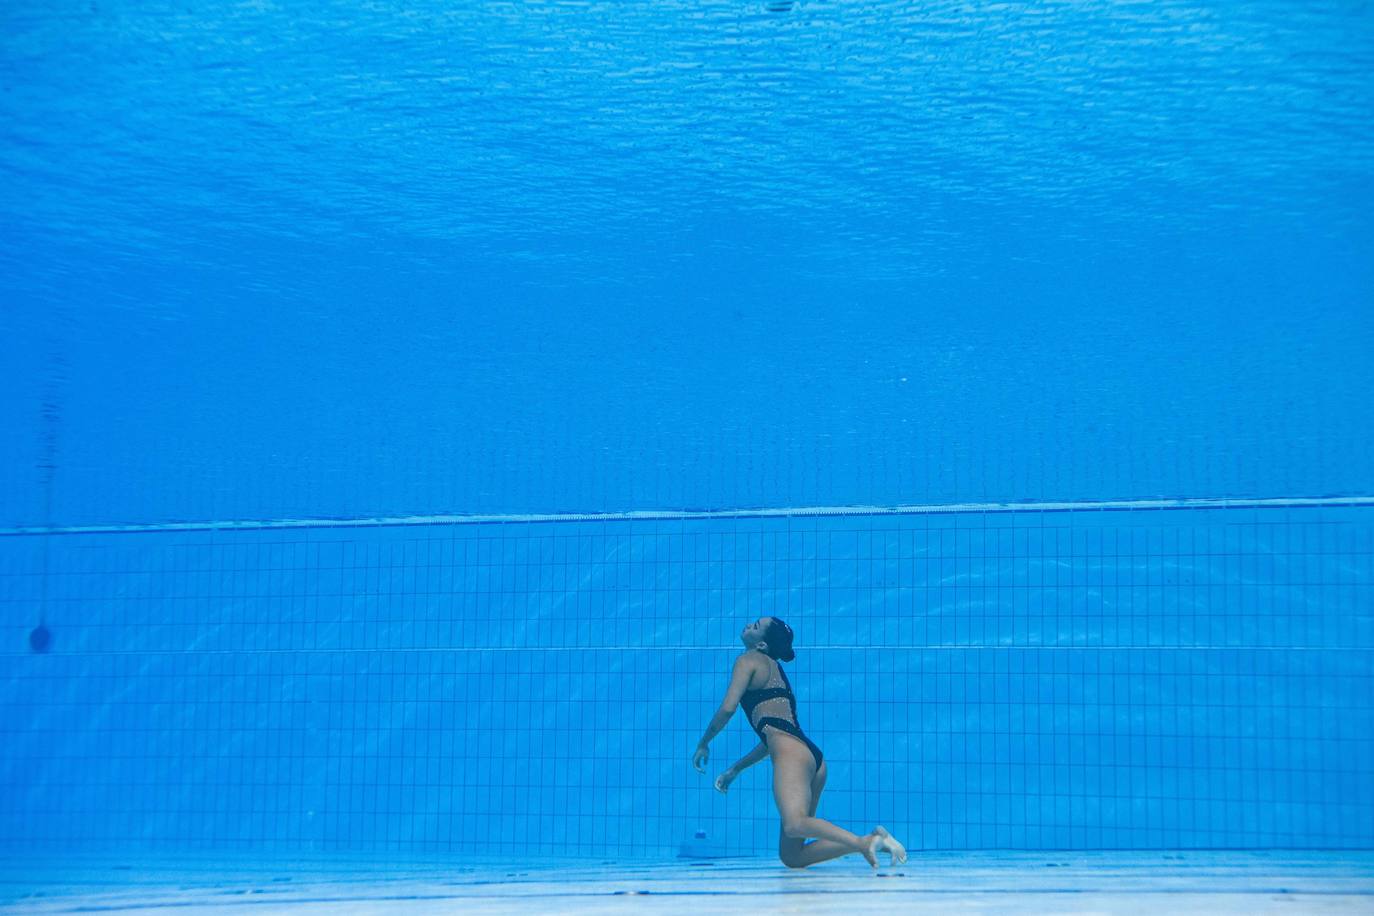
{"points": [[752, 635]]}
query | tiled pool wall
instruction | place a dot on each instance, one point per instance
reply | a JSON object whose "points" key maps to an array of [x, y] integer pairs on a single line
{"points": [[1197, 678]]}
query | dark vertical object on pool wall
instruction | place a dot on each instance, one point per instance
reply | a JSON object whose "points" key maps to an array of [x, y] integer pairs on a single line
{"points": [[40, 637]]}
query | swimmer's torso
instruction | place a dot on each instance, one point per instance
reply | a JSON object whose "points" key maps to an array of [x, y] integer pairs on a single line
{"points": [[769, 694]]}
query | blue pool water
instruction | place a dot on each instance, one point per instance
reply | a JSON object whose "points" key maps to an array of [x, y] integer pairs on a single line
{"points": [[406, 405]]}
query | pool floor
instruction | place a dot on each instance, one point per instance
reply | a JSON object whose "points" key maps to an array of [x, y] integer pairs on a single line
{"points": [[1185, 881]]}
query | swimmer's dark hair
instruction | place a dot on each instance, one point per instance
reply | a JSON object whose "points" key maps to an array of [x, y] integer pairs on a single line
{"points": [[778, 635]]}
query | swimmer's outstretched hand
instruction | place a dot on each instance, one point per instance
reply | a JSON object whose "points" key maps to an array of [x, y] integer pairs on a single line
{"points": [[700, 757], [723, 781]]}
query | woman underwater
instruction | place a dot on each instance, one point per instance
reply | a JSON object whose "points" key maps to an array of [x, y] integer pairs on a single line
{"points": [[759, 682]]}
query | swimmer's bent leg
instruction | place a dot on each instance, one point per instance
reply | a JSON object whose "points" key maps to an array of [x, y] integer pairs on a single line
{"points": [[818, 851]]}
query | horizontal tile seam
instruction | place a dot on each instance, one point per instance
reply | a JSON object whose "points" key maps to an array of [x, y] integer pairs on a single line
{"points": [[705, 514]]}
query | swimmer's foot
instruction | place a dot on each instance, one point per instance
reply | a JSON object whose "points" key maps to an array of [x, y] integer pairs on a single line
{"points": [[869, 846], [889, 842]]}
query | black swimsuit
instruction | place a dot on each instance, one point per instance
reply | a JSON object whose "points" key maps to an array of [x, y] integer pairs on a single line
{"points": [[771, 691]]}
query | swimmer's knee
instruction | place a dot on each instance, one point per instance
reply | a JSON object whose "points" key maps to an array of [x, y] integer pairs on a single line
{"points": [[791, 858], [795, 829]]}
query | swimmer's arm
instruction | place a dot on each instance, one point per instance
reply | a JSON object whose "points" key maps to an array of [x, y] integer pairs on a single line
{"points": [[750, 759], [739, 682]]}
